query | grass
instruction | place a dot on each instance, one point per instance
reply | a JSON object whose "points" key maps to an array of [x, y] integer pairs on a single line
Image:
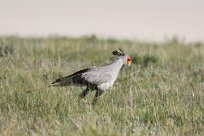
{"points": [[160, 94]]}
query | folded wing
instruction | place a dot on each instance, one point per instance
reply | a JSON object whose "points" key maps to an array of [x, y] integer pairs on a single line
{"points": [[97, 76], [94, 76]]}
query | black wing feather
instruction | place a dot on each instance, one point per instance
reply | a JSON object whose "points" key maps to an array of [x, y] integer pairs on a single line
{"points": [[75, 78]]}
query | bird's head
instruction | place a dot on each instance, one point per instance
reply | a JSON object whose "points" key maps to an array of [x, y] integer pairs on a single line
{"points": [[120, 54]]}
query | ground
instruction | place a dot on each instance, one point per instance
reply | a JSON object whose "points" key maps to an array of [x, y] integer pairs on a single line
{"points": [[160, 94]]}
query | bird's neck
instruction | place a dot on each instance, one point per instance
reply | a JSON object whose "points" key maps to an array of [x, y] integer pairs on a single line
{"points": [[116, 65]]}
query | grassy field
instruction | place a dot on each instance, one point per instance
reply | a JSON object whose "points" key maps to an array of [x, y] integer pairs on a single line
{"points": [[162, 93]]}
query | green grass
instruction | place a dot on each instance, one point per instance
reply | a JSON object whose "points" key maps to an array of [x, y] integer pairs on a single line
{"points": [[160, 94]]}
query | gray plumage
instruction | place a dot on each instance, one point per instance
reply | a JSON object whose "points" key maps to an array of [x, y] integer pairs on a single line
{"points": [[96, 78]]}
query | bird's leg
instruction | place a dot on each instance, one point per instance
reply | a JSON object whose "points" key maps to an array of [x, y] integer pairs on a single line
{"points": [[84, 93], [97, 95]]}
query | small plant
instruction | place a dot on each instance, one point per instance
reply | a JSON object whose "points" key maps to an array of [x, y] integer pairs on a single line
{"points": [[197, 75], [136, 59], [145, 60], [6, 50], [149, 59]]}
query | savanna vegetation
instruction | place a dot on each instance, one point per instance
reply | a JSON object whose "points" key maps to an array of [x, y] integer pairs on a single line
{"points": [[162, 93]]}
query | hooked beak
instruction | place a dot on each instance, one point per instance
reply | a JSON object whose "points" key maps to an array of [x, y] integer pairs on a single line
{"points": [[129, 63]]}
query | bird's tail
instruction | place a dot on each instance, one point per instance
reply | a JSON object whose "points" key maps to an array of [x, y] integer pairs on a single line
{"points": [[62, 81], [57, 82], [38, 89]]}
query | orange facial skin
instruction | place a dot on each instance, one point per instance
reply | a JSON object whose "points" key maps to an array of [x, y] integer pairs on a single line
{"points": [[129, 60]]}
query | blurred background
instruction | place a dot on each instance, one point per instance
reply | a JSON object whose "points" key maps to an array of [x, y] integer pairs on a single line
{"points": [[155, 20]]}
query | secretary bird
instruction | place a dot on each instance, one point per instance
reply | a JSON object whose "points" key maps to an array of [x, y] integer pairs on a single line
{"points": [[96, 78]]}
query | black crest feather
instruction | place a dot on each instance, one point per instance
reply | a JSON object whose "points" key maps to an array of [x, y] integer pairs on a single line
{"points": [[117, 53]]}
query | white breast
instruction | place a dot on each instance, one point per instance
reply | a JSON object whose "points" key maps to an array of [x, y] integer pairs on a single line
{"points": [[106, 85]]}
